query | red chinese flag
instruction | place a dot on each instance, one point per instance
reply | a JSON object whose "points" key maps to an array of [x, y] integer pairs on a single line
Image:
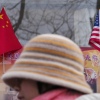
{"points": [[8, 40]]}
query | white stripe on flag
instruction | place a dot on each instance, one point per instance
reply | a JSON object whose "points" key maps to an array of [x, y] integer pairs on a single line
{"points": [[96, 37], [97, 32]]}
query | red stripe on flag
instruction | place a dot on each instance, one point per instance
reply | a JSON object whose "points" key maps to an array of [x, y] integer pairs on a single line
{"points": [[95, 34], [93, 39], [95, 29]]}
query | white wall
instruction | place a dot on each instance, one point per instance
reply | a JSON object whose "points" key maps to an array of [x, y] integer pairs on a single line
{"points": [[82, 25]]}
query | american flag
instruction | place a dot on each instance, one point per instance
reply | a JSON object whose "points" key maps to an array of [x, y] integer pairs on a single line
{"points": [[94, 40]]}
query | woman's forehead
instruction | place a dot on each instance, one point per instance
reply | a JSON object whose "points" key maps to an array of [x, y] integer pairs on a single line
{"points": [[17, 82]]}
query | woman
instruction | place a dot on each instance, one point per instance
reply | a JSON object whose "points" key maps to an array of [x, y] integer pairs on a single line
{"points": [[50, 67]]}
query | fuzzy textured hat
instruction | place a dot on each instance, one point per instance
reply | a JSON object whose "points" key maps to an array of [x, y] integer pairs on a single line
{"points": [[51, 59]]}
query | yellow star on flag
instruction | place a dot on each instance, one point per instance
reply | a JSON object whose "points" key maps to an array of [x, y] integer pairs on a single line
{"points": [[1, 16]]}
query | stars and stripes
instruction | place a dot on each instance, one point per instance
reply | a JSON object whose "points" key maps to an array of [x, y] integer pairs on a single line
{"points": [[95, 35]]}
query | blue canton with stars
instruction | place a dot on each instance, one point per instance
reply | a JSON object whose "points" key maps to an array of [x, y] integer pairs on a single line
{"points": [[96, 23]]}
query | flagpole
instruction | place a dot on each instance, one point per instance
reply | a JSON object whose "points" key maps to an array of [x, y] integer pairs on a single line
{"points": [[3, 64]]}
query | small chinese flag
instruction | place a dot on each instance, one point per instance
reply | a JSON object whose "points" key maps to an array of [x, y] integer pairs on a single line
{"points": [[8, 40]]}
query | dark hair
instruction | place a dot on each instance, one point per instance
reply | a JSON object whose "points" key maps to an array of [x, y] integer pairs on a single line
{"points": [[44, 87]]}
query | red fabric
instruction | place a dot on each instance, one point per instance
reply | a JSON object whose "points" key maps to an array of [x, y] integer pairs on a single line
{"points": [[8, 40], [87, 48], [59, 94]]}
